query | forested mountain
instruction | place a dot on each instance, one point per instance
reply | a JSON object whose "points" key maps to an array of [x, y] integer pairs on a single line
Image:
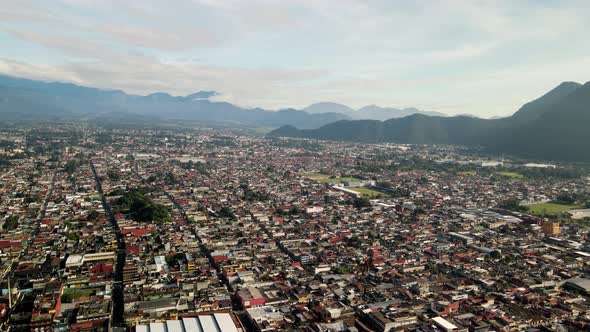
{"points": [[555, 126]]}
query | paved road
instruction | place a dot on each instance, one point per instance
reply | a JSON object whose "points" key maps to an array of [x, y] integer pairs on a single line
{"points": [[202, 245], [117, 315]]}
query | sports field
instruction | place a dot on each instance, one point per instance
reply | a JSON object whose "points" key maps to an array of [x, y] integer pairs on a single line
{"points": [[549, 208], [368, 193], [512, 175], [337, 180]]}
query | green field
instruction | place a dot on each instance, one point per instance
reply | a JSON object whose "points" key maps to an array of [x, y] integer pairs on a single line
{"points": [[368, 193], [512, 175], [549, 208], [314, 176], [337, 180]]}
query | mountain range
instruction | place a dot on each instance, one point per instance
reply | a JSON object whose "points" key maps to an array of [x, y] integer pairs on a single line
{"points": [[24, 99], [370, 112], [555, 126]]}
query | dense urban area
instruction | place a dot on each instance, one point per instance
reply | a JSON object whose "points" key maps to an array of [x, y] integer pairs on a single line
{"points": [[155, 230]]}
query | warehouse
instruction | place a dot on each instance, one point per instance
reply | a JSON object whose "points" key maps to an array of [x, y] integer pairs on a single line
{"points": [[218, 322]]}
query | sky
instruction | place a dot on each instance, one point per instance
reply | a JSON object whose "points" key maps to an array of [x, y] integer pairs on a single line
{"points": [[485, 58]]}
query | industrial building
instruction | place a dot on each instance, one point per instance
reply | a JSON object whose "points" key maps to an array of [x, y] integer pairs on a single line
{"points": [[217, 322]]}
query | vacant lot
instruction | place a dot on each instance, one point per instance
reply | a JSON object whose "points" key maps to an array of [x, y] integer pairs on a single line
{"points": [[549, 208]]}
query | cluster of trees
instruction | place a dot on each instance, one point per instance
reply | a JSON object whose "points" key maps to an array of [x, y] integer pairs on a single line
{"points": [[140, 207], [291, 212], [221, 142], [361, 202], [200, 167], [93, 215], [113, 175], [226, 212], [513, 205], [391, 190], [32, 199], [168, 178], [566, 199], [104, 138], [251, 195], [7, 145], [571, 172], [410, 164], [296, 144], [71, 166], [10, 223]]}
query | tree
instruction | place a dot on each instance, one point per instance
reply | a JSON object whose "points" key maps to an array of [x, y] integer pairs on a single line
{"points": [[360, 203], [10, 223], [71, 166], [93, 215], [565, 199], [141, 208], [225, 212], [513, 205], [113, 175]]}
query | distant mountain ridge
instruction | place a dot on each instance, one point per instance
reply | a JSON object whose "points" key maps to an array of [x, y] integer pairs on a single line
{"points": [[369, 112], [20, 97], [24, 99], [555, 126]]}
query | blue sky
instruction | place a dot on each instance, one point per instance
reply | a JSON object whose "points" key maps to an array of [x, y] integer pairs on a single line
{"points": [[481, 57]]}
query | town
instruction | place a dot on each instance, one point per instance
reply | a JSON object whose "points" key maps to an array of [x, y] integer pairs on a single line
{"points": [[185, 230]]}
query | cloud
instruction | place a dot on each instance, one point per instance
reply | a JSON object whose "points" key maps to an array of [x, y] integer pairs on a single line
{"points": [[455, 56], [243, 86], [159, 39]]}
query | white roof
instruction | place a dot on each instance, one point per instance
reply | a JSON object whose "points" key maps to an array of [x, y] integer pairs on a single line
{"points": [[226, 324], [192, 325], [142, 328], [208, 324], [445, 324], [175, 326], [218, 322], [158, 327], [74, 260]]}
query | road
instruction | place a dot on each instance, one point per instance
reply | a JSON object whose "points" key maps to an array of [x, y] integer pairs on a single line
{"points": [[202, 245], [118, 295]]}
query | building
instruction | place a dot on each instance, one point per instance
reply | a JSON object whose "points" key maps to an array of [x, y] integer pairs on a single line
{"points": [[444, 324], [551, 228], [251, 297], [265, 318], [218, 322], [581, 285]]}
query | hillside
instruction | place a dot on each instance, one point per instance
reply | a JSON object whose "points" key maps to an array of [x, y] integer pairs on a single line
{"points": [[554, 127]]}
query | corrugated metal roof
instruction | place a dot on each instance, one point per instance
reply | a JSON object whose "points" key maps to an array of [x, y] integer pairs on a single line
{"points": [[174, 326], [192, 325], [142, 328], [225, 322], [158, 327], [218, 322], [208, 324]]}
